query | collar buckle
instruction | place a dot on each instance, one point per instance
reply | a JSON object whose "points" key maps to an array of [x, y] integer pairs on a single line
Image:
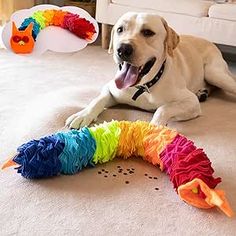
{"points": [[143, 87]]}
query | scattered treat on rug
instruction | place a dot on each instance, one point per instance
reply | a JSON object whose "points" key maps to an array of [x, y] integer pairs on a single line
{"points": [[119, 173]]}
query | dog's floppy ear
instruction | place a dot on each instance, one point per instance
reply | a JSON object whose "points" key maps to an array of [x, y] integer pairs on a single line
{"points": [[172, 38], [110, 49]]}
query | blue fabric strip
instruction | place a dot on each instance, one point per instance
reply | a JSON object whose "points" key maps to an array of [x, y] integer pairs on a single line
{"points": [[36, 28], [78, 152], [39, 158]]}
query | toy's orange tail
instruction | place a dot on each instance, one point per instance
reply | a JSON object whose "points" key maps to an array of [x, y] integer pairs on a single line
{"points": [[9, 163], [198, 194]]}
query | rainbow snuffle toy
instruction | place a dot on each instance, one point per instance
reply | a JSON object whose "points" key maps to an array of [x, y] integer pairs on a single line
{"points": [[23, 38], [68, 152]]}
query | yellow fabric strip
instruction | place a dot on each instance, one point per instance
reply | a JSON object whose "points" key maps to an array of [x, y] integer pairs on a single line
{"points": [[131, 138], [48, 15]]}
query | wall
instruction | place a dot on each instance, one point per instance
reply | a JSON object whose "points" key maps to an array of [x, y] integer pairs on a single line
{"points": [[57, 2], [7, 7]]}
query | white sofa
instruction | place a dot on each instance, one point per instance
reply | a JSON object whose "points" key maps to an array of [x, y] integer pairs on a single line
{"points": [[206, 19]]}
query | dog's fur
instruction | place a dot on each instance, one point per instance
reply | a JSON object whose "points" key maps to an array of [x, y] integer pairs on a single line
{"points": [[192, 64]]}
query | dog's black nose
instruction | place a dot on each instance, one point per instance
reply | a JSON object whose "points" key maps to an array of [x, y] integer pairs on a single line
{"points": [[125, 51]]}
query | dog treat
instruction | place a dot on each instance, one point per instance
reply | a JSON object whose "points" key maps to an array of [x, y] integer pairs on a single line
{"points": [[23, 38], [68, 152]]}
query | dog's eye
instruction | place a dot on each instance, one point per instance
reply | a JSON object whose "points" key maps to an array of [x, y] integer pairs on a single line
{"points": [[147, 33], [120, 29]]}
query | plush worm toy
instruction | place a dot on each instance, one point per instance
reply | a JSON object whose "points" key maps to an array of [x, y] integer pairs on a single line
{"points": [[68, 152], [24, 37]]}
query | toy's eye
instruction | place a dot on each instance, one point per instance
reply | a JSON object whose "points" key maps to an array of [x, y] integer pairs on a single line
{"points": [[120, 29], [147, 33], [25, 39], [16, 39]]}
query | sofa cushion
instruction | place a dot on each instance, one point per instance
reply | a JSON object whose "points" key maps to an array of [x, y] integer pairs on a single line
{"points": [[197, 8], [223, 11]]}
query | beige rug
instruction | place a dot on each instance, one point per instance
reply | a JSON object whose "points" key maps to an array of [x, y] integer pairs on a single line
{"points": [[37, 95]]}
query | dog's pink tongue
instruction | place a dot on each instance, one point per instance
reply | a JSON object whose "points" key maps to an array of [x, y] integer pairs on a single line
{"points": [[127, 76]]}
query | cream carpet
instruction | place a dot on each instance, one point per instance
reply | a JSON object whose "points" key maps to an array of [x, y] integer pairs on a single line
{"points": [[37, 95]]}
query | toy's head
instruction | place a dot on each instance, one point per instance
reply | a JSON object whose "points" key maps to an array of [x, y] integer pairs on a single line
{"points": [[22, 40]]}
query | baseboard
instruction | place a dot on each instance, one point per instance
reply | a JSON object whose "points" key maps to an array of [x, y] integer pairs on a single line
{"points": [[229, 52]]}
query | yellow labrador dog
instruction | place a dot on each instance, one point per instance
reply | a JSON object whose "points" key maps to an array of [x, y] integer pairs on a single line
{"points": [[158, 71]]}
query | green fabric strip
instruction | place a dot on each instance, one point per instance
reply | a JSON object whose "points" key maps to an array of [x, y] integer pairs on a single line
{"points": [[106, 136]]}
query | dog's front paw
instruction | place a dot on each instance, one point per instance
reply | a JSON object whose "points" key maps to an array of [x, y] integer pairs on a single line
{"points": [[80, 119], [159, 122], [160, 117]]}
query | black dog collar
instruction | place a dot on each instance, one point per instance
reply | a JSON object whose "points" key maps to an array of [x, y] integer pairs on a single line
{"points": [[145, 87]]}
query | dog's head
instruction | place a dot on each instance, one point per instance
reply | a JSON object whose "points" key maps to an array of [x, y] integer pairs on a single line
{"points": [[139, 43]]}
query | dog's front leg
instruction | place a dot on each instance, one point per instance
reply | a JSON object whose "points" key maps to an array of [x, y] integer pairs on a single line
{"points": [[91, 112], [185, 109]]}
